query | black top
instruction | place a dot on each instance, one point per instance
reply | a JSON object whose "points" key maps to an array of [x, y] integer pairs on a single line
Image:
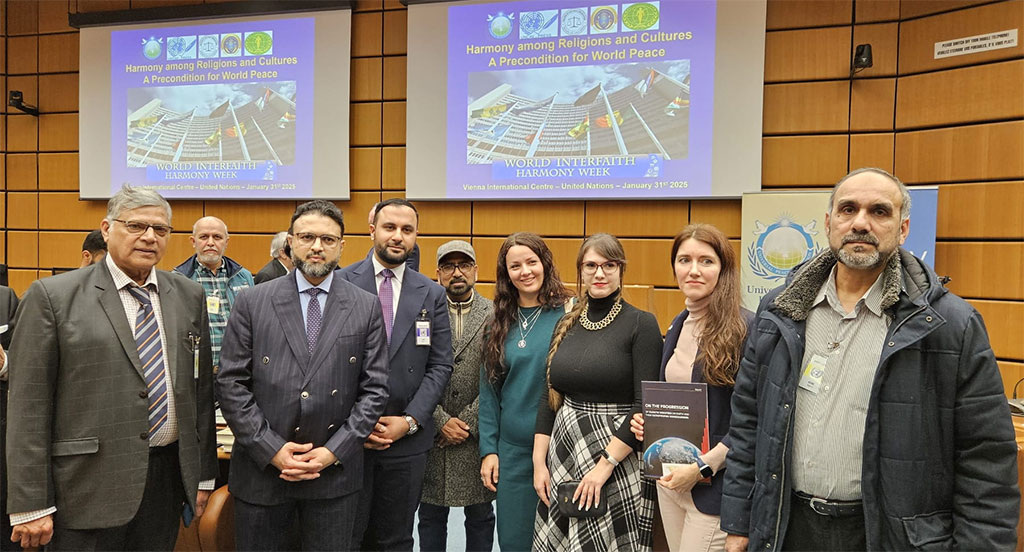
{"points": [[606, 365]]}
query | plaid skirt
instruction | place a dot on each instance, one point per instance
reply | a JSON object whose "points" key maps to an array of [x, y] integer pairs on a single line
{"points": [[581, 430]]}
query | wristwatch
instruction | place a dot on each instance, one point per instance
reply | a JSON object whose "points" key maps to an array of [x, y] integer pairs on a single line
{"points": [[413, 426], [705, 470], [607, 456]]}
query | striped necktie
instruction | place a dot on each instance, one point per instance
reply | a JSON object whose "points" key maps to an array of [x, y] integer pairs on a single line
{"points": [[151, 353]]}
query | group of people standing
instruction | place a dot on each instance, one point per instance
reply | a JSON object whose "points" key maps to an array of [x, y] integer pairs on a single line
{"points": [[860, 407]]}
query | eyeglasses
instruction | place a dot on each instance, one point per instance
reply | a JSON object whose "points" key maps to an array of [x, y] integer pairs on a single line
{"points": [[327, 240], [449, 268], [610, 267], [139, 227]]}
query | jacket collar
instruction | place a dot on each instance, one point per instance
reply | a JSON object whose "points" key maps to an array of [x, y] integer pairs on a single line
{"points": [[188, 268], [804, 282]]}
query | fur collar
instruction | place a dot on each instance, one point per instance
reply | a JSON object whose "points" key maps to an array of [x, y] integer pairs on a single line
{"points": [[805, 281]]}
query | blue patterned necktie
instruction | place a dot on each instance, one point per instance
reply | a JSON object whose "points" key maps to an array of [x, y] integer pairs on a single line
{"points": [[313, 317], [151, 353], [387, 300]]}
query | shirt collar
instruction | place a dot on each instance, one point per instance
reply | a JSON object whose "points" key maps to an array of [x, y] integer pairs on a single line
{"points": [[398, 270], [222, 269], [872, 298], [122, 280], [304, 283]]}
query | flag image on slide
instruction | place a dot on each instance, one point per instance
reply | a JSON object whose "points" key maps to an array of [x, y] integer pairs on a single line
{"points": [[603, 122], [645, 84], [580, 131]]}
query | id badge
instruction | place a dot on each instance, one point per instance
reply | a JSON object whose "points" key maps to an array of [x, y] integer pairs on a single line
{"points": [[213, 304], [812, 375], [423, 333]]}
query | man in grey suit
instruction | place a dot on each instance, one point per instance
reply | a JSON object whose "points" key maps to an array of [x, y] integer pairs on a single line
{"points": [[280, 259], [452, 478], [420, 353], [302, 382], [8, 305], [111, 429]]}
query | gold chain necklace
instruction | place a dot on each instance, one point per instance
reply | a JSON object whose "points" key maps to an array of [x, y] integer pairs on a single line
{"points": [[603, 323]]}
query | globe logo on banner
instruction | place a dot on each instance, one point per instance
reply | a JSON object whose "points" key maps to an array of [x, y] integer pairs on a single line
{"points": [[152, 47], [640, 17], [780, 246], [500, 25], [259, 43], [538, 24]]}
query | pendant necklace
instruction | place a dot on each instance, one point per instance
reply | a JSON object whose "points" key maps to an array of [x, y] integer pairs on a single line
{"points": [[527, 323]]}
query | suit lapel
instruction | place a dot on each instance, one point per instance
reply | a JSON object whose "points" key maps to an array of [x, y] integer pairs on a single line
{"points": [[414, 291], [336, 312], [110, 301], [289, 311], [472, 325], [363, 276], [170, 302]]}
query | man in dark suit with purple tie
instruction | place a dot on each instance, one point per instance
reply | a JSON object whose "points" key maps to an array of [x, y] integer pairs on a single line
{"points": [[420, 354], [302, 382]]}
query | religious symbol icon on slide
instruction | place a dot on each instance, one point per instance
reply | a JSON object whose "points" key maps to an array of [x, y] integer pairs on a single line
{"points": [[500, 25], [152, 47], [259, 43], [574, 22], [604, 19], [641, 17]]}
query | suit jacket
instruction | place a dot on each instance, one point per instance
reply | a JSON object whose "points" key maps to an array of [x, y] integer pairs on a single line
{"points": [[79, 410], [272, 391], [451, 478], [418, 373], [271, 270], [8, 305], [707, 498]]}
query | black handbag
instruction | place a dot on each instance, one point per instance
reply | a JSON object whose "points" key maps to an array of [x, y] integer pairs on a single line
{"points": [[568, 508]]}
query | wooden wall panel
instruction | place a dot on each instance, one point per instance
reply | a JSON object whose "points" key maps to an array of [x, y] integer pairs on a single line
{"points": [[364, 168], [666, 304], [64, 211], [804, 55], [961, 154], [872, 104], [453, 218], [395, 32], [883, 39], [367, 79], [648, 262], [23, 210], [357, 210], [393, 123], [990, 270], [3, 171], [722, 213], [183, 213], [53, 17], [58, 132], [102, 5], [366, 34], [365, 124], [22, 55], [563, 250], [871, 150], [19, 280], [917, 8], [3, 247], [356, 248], [3, 211], [394, 78], [21, 171], [554, 218], [1005, 323], [393, 169], [803, 160], [60, 249], [1012, 372], [58, 92], [967, 95], [869, 11], [992, 210], [640, 219], [795, 14], [22, 249], [806, 107], [58, 53], [269, 217], [22, 132], [22, 17], [918, 37]]}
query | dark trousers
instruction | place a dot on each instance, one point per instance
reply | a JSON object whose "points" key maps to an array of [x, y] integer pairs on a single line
{"points": [[387, 504], [434, 527], [324, 524], [155, 525], [810, 531]]}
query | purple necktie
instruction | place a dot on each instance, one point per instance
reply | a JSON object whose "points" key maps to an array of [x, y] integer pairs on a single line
{"points": [[151, 353], [313, 317], [387, 300]]}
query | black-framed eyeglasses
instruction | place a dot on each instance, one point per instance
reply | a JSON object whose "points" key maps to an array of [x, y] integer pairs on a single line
{"points": [[308, 238], [449, 268], [609, 267], [139, 227]]}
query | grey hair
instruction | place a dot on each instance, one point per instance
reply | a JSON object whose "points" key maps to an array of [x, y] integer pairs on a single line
{"points": [[128, 198], [277, 244], [904, 208]]}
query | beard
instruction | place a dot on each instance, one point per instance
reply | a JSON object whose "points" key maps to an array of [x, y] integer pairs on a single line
{"points": [[385, 254], [209, 258], [867, 260], [458, 287], [314, 270]]}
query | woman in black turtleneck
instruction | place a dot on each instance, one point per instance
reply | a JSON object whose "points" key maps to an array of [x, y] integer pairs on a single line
{"points": [[599, 355]]}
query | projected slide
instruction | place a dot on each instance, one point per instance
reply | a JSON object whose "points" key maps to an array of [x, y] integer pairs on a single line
{"points": [[223, 110], [580, 99]]}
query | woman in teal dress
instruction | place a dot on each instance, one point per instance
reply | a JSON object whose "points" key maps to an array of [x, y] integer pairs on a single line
{"points": [[529, 300]]}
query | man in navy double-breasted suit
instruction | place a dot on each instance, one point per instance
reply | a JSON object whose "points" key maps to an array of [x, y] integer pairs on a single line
{"points": [[302, 382], [415, 312]]}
